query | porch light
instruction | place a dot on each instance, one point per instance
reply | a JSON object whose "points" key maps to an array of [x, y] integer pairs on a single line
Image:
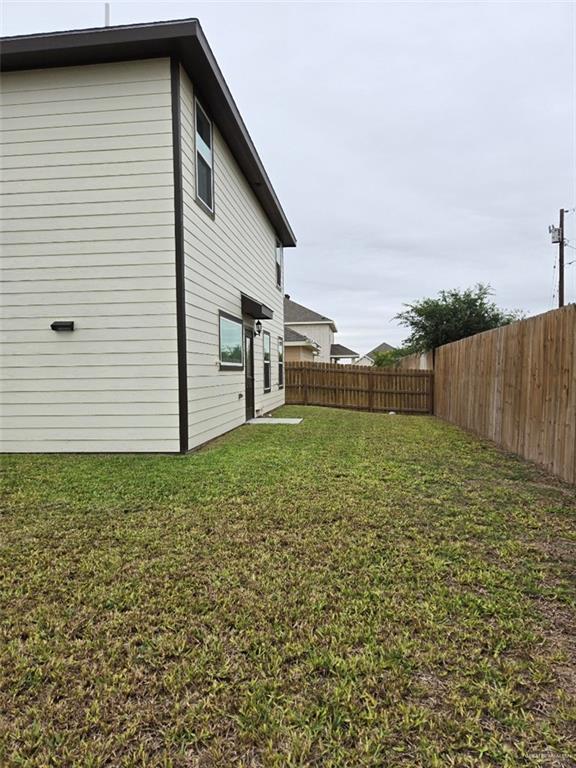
{"points": [[258, 327]]}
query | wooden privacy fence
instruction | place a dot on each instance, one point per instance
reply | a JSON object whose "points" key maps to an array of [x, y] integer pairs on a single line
{"points": [[418, 362], [359, 388], [516, 385]]}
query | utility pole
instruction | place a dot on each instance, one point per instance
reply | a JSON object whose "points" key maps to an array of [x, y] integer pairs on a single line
{"points": [[558, 237], [106, 14], [561, 261]]}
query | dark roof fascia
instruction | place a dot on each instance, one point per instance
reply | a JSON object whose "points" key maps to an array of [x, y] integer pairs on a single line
{"points": [[182, 39]]}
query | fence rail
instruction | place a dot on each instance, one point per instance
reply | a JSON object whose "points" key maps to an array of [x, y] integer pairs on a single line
{"points": [[359, 388]]}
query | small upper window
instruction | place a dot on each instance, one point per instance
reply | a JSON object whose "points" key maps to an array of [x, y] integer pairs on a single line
{"points": [[230, 342], [204, 159], [267, 362], [279, 265]]}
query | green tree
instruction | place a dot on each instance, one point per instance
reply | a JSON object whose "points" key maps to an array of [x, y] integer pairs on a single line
{"points": [[451, 316], [389, 358]]}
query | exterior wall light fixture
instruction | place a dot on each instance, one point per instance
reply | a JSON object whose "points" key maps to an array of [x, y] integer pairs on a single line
{"points": [[62, 325]]}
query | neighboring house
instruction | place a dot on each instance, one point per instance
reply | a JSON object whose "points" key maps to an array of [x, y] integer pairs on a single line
{"points": [[368, 358], [312, 325], [299, 348], [341, 354], [316, 327], [141, 246]]}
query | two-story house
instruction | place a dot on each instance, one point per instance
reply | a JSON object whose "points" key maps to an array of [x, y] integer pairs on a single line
{"points": [[142, 246], [312, 328]]}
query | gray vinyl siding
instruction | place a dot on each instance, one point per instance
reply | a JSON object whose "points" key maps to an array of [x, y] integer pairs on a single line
{"points": [[233, 252], [87, 234]]}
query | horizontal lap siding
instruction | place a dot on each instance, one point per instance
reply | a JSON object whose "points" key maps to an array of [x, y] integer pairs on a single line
{"points": [[224, 256], [321, 333], [88, 235]]}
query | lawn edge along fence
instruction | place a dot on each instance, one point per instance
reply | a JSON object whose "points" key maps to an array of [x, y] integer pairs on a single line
{"points": [[516, 386], [359, 388]]}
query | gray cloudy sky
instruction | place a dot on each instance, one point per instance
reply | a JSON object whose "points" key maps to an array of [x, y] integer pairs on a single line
{"points": [[415, 146]]}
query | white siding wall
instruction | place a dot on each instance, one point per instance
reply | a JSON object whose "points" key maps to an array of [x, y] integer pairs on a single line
{"points": [[321, 333], [227, 255], [88, 235]]}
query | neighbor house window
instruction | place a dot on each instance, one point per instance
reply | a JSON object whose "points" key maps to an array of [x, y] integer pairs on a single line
{"points": [[279, 264], [230, 342], [267, 382], [204, 159], [280, 363]]}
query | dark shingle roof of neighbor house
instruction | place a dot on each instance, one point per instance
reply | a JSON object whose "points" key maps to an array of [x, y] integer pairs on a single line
{"points": [[182, 40], [339, 350], [291, 335], [296, 313], [380, 348]]}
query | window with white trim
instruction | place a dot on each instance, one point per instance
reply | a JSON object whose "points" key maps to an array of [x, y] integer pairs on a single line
{"points": [[204, 159], [267, 362]]}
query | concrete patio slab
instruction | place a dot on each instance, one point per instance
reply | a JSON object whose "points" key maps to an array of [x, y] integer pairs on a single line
{"points": [[270, 420]]}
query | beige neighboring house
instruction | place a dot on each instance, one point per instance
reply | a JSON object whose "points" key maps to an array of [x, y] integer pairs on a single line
{"points": [[142, 246], [341, 354], [299, 348], [368, 358], [312, 326]]}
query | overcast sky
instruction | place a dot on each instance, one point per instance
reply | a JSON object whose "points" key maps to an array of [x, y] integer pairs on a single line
{"points": [[415, 146]]}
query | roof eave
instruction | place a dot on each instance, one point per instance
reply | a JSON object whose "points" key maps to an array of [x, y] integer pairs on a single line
{"points": [[306, 344], [312, 322]]}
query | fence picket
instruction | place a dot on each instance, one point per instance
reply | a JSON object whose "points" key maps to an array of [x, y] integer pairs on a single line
{"points": [[359, 388], [516, 385]]}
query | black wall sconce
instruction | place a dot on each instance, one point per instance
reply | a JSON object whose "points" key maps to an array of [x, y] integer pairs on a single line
{"points": [[62, 325], [258, 327]]}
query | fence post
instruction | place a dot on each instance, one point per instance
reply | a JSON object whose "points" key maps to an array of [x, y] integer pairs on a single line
{"points": [[431, 392], [305, 383]]}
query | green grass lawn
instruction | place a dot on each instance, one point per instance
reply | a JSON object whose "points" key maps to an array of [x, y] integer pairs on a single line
{"points": [[359, 590]]}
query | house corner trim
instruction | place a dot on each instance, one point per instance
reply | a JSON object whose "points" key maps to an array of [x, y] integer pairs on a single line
{"points": [[179, 250]]}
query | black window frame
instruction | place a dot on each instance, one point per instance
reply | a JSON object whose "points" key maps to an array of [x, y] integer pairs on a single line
{"points": [[201, 202], [239, 321], [267, 364], [280, 362], [279, 264]]}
